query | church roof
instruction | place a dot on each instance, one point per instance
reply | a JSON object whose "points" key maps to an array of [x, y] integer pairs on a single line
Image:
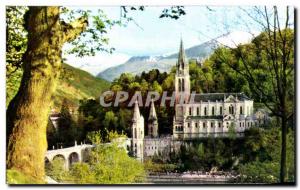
{"points": [[206, 117], [205, 97]]}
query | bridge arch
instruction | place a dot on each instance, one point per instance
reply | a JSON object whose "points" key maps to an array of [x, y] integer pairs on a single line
{"points": [[73, 158], [63, 158]]}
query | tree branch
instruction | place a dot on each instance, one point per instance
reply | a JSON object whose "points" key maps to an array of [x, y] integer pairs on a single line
{"points": [[72, 30]]}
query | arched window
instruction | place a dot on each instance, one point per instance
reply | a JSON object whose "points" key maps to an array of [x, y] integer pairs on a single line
{"points": [[203, 125], [135, 134], [196, 125], [198, 111], [190, 111], [221, 110], [213, 111], [182, 84], [205, 111], [188, 125], [241, 110]]}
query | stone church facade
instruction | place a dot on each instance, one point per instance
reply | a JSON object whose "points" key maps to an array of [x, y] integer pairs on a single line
{"points": [[209, 114]]}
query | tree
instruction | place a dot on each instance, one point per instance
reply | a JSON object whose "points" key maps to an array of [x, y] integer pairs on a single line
{"points": [[107, 163], [27, 114], [272, 50], [28, 111], [232, 131], [16, 44], [56, 169]]}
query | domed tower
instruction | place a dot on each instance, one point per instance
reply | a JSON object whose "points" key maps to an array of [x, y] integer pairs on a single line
{"points": [[152, 122], [137, 133]]}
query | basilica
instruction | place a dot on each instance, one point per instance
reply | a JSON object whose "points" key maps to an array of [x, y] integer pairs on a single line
{"points": [[209, 114]]}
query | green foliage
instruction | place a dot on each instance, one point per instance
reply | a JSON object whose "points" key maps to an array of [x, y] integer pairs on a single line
{"points": [[16, 37], [76, 84], [16, 44], [256, 156], [80, 173], [175, 12], [94, 38], [108, 164], [68, 131], [260, 172], [262, 158], [56, 169], [231, 131], [94, 137], [151, 166], [16, 177]]}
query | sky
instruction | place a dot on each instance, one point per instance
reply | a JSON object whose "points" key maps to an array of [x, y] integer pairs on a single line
{"points": [[150, 35]]}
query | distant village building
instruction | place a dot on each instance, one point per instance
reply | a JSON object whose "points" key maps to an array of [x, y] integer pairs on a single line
{"points": [[211, 114]]}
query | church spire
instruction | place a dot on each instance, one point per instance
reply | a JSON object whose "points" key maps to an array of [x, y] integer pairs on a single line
{"points": [[152, 114], [152, 122], [136, 112], [181, 55]]}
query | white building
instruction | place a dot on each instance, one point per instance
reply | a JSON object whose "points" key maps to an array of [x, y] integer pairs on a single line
{"points": [[196, 116]]}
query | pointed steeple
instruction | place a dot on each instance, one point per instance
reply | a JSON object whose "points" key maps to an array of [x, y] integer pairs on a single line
{"points": [[152, 114], [136, 111], [152, 122], [181, 55]]}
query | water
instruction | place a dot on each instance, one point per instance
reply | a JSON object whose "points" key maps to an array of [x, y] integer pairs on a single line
{"points": [[180, 179]]}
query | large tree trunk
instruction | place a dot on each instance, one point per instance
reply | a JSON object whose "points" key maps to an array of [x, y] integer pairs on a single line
{"points": [[27, 114]]}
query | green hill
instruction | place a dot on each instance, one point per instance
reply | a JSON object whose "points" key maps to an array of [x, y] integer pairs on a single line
{"points": [[74, 84]]}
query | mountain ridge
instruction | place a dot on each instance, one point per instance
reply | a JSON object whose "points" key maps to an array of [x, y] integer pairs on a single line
{"points": [[164, 63]]}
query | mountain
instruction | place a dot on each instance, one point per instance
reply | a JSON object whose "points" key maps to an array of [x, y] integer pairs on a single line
{"points": [[138, 64], [73, 85], [76, 84]]}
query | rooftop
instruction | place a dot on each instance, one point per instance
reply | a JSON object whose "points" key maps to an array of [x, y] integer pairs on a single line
{"points": [[205, 97]]}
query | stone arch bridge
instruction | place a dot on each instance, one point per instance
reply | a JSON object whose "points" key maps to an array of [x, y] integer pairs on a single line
{"points": [[70, 155]]}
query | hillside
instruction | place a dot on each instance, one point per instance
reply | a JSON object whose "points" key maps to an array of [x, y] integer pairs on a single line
{"points": [[74, 84]]}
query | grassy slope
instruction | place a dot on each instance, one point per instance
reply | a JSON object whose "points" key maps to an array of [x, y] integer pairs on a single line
{"points": [[76, 84]]}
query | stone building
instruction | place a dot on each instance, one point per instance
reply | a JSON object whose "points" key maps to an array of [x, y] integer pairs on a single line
{"points": [[196, 116]]}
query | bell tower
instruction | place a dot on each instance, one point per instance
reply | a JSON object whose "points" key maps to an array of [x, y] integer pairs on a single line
{"points": [[138, 133], [182, 92], [152, 122], [182, 77]]}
